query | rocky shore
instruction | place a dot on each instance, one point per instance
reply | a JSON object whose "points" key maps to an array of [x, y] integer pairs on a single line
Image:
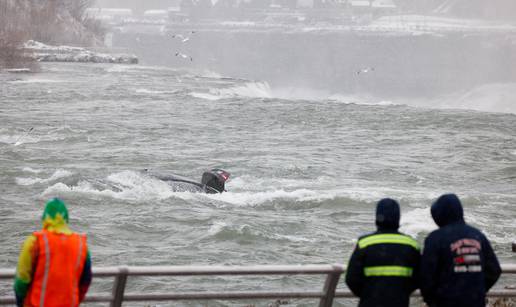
{"points": [[46, 53]]}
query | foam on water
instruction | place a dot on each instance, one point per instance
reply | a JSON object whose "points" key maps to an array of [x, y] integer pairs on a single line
{"points": [[420, 221], [264, 90], [486, 98], [210, 74], [147, 91], [31, 170], [9, 139], [257, 198], [82, 187], [127, 185], [121, 68], [223, 230], [250, 90], [135, 186], [58, 174], [357, 194], [252, 183], [416, 221], [28, 81], [19, 139], [205, 96], [248, 190], [478, 218], [217, 227]]}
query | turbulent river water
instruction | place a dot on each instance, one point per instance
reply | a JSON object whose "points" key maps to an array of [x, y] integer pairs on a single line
{"points": [[306, 173]]}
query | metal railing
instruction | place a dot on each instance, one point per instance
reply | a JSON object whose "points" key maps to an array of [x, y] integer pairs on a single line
{"points": [[325, 296]]}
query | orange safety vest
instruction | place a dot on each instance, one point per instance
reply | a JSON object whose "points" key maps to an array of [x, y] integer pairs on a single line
{"points": [[58, 268]]}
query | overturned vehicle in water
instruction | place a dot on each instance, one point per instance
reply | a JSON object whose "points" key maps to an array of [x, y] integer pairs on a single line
{"points": [[212, 181]]}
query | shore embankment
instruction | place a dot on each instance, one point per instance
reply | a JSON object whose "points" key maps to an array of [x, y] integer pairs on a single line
{"points": [[46, 53], [50, 22]]}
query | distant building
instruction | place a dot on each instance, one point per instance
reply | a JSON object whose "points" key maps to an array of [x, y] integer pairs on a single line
{"points": [[155, 14], [360, 7], [109, 14], [383, 4], [383, 7]]}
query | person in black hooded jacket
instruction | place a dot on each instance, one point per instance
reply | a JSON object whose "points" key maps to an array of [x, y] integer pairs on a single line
{"points": [[384, 267], [458, 263]]}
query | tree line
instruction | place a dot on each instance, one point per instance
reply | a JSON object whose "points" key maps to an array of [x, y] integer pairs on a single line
{"points": [[47, 21]]}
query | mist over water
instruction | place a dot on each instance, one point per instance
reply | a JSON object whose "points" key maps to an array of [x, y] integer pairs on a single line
{"points": [[425, 70]]}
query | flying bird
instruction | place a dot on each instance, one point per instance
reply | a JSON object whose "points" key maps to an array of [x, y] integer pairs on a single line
{"points": [[19, 140], [183, 38], [365, 70], [184, 56]]}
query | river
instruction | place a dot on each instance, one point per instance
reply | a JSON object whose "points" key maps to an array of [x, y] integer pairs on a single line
{"points": [[305, 173]]}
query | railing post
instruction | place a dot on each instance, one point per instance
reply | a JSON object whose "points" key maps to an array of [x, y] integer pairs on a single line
{"points": [[119, 287], [330, 285]]}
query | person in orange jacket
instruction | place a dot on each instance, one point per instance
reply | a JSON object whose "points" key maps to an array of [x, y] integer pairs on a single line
{"points": [[54, 267]]}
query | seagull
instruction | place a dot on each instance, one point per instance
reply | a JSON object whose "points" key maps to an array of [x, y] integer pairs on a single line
{"points": [[183, 38], [184, 56], [19, 140], [365, 70]]}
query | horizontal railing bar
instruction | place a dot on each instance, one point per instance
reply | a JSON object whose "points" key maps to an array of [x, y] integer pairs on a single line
{"points": [[233, 270], [501, 293], [7, 273], [4, 300], [221, 296], [492, 293], [238, 295], [99, 272], [98, 298], [223, 270], [105, 271], [208, 270], [509, 268], [348, 294]]}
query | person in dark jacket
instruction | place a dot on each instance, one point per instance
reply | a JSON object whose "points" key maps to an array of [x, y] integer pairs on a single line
{"points": [[458, 263], [383, 269]]}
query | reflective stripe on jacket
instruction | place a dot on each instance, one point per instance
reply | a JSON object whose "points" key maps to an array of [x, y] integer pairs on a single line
{"points": [[58, 269], [387, 238], [388, 270]]}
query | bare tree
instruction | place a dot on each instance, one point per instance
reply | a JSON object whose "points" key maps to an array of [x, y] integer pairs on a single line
{"points": [[77, 8]]}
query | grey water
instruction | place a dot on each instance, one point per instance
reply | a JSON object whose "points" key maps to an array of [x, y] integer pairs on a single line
{"points": [[306, 172]]}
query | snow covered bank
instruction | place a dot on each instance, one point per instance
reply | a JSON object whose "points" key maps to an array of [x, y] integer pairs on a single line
{"points": [[47, 53]]}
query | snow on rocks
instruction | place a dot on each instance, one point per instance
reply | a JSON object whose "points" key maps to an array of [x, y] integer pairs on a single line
{"points": [[46, 53]]}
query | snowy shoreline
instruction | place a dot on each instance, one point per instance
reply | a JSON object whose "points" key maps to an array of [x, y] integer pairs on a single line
{"points": [[46, 53]]}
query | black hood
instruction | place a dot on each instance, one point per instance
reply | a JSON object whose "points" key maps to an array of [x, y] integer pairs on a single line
{"points": [[447, 209], [388, 214]]}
